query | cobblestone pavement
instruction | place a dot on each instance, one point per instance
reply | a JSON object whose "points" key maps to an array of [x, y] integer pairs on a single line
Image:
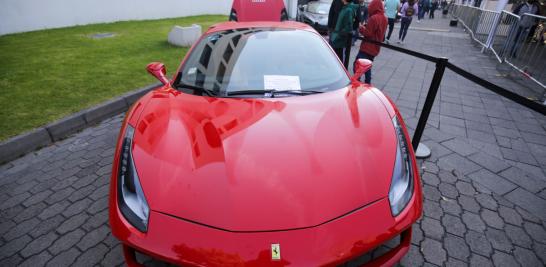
{"points": [[484, 186]]}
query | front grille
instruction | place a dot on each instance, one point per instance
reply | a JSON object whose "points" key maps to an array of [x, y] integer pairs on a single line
{"points": [[148, 261], [374, 253]]}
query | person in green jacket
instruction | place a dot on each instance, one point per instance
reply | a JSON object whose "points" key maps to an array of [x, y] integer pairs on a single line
{"points": [[342, 35]]}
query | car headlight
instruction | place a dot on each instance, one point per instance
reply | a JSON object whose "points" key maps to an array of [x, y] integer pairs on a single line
{"points": [[401, 188], [233, 15], [131, 200]]}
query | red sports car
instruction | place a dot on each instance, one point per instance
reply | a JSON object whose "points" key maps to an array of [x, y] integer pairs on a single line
{"points": [[258, 10], [263, 151]]}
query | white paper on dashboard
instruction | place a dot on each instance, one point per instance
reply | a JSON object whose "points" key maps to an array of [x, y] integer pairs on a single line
{"points": [[281, 82]]}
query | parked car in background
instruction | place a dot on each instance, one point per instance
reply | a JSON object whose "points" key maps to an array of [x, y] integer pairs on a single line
{"points": [[258, 10], [315, 13]]}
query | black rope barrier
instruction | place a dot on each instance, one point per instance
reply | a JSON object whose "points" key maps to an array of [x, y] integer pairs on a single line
{"points": [[441, 65]]}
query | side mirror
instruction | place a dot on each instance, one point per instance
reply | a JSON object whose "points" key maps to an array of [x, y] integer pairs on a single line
{"points": [[361, 66], [158, 70]]}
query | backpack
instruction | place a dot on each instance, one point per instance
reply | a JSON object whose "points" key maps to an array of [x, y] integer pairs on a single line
{"points": [[410, 11]]}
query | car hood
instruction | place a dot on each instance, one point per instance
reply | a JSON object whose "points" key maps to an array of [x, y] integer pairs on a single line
{"points": [[264, 164]]}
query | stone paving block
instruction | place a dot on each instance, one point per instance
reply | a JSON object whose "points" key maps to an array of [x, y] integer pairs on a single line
{"points": [[432, 209], [431, 193], [528, 201], [77, 207], [536, 231], [510, 216], [433, 251], [14, 201], [66, 258], [492, 181], [456, 247], [492, 219], [59, 195], [450, 206], [487, 201], [478, 243], [72, 223], [501, 259], [13, 246], [38, 245], [29, 212], [46, 226], [21, 229], [93, 238], [53, 210], [541, 251], [459, 163], [519, 177], [480, 261], [518, 236], [36, 260], [432, 228], [526, 257], [448, 190], [92, 256], [460, 147], [469, 204], [499, 240], [114, 257], [96, 220], [473, 221], [489, 162], [66, 241]]}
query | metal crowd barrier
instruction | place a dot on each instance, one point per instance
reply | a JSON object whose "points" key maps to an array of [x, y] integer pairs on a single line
{"points": [[516, 41], [441, 65]]}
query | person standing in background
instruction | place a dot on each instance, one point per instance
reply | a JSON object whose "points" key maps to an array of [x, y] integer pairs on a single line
{"points": [[391, 10], [374, 30], [333, 14], [360, 18], [343, 32], [408, 10], [433, 8]]}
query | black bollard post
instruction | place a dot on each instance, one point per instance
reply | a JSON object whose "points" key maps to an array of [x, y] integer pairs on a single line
{"points": [[441, 64]]}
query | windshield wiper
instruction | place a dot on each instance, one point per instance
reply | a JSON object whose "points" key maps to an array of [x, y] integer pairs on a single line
{"points": [[273, 92], [193, 87]]}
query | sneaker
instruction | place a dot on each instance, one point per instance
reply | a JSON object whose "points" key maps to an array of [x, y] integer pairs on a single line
{"points": [[387, 41], [402, 42], [398, 41]]}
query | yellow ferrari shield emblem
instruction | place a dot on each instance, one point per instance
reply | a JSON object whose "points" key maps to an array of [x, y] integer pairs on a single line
{"points": [[275, 251]]}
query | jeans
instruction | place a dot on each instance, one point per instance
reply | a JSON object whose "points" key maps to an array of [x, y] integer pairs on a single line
{"points": [[347, 52], [404, 26], [368, 74], [391, 27], [421, 13]]}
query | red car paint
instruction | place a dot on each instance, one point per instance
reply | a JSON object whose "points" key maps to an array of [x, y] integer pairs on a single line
{"points": [[227, 177], [258, 10]]}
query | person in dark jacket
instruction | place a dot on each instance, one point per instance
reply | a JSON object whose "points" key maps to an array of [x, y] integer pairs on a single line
{"points": [[343, 32], [361, 17], [374, 30], [333, 14]]}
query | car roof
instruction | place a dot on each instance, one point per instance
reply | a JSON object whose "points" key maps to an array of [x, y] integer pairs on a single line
{"points": [[230, 25]]}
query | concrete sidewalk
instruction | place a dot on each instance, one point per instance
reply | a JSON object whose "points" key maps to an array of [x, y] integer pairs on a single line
{"points": [[484, 186]]}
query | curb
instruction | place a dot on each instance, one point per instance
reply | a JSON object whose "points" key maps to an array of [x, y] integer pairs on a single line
{"points": [[27, 142]]}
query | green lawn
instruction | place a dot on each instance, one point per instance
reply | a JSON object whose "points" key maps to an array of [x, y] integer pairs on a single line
{"points": [[46, 75]]}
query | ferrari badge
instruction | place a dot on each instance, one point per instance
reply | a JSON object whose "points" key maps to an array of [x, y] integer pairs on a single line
{"points": [[275, 251]]}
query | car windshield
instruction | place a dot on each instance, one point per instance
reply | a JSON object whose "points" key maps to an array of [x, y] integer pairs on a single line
{"points": [[262, 59], [319, 7]]}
